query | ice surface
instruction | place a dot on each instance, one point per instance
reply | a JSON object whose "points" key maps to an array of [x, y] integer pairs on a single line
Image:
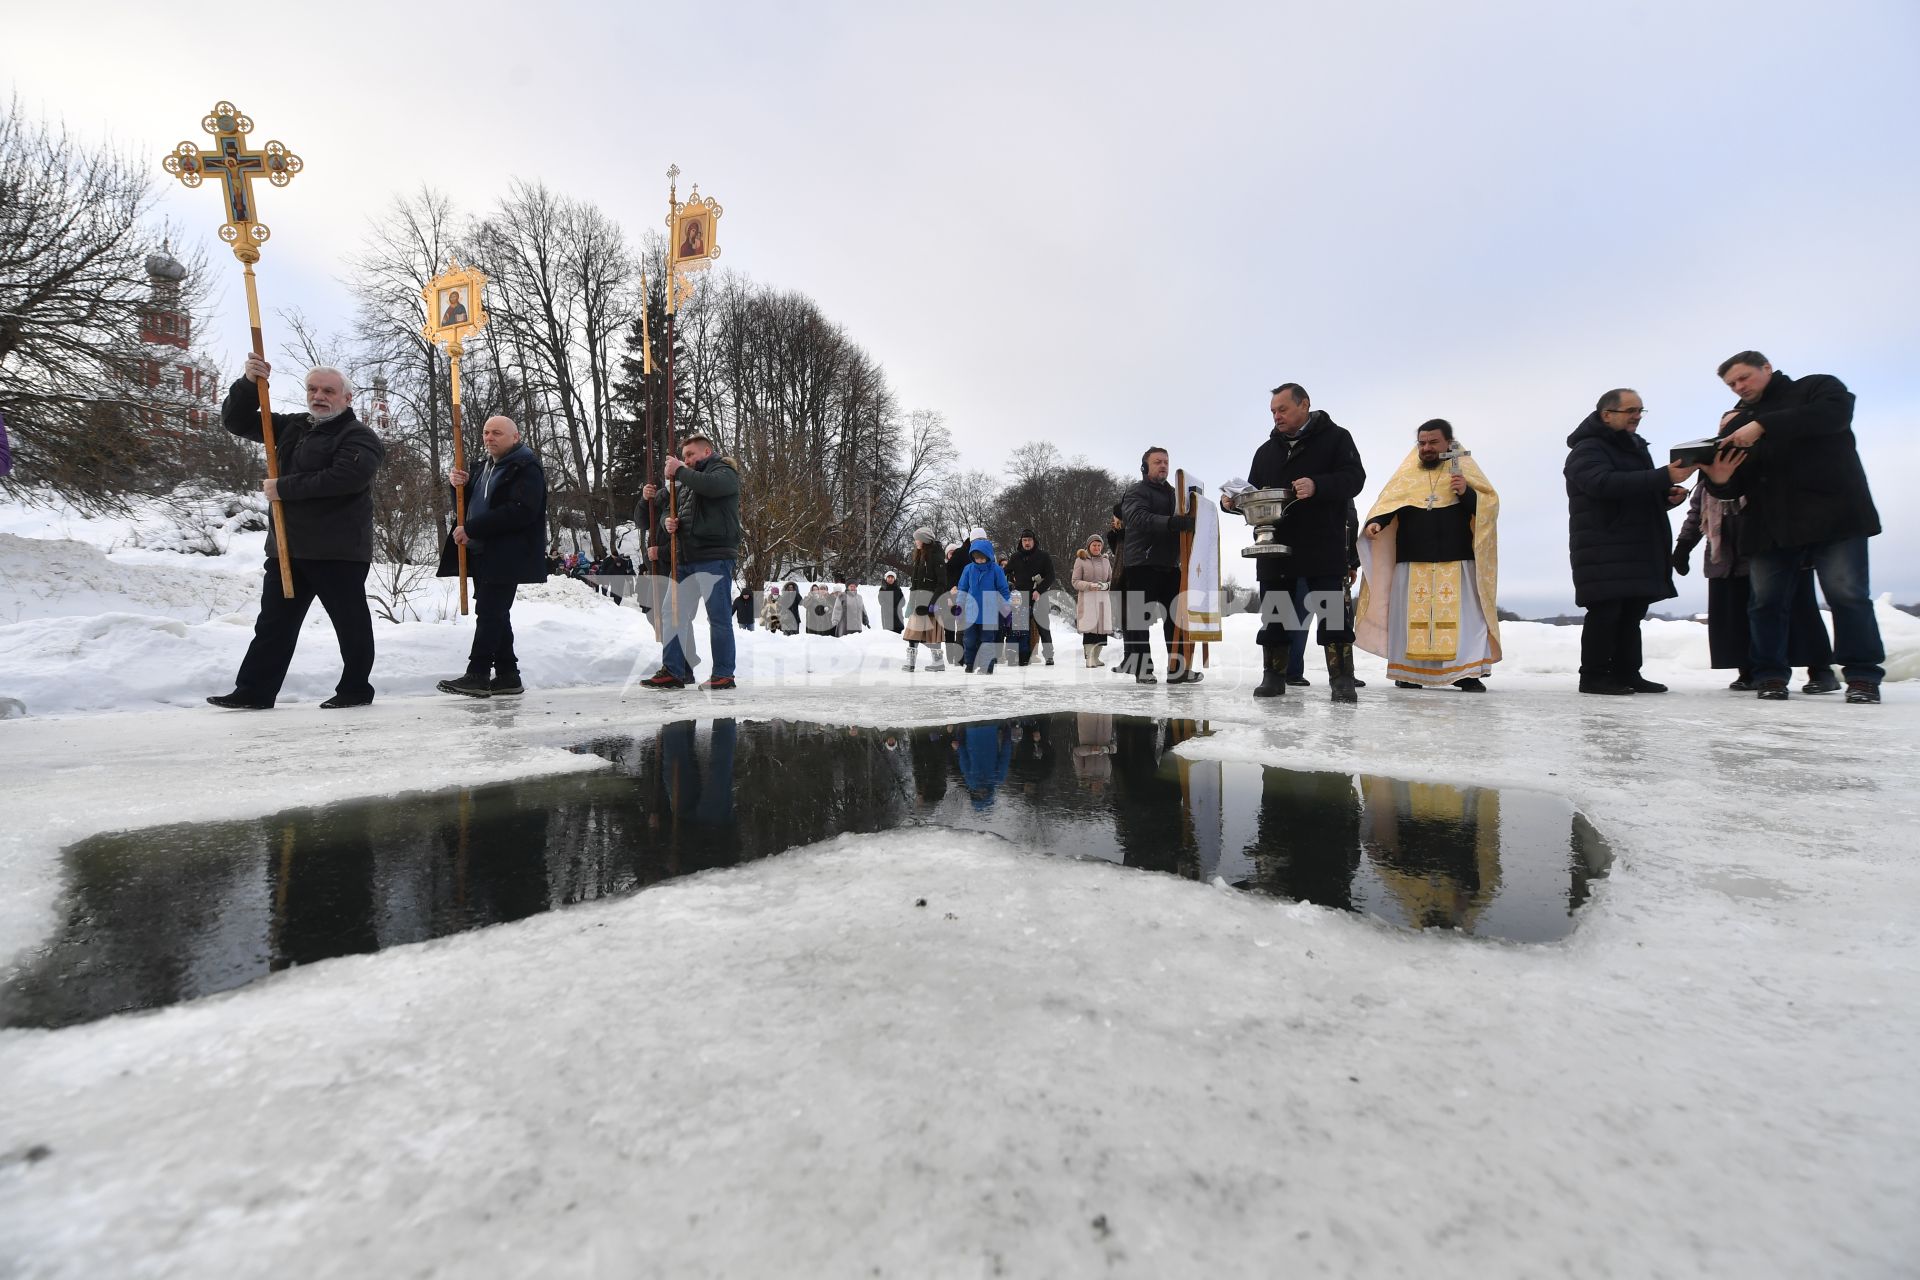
{"points": [[1051, 1069]]}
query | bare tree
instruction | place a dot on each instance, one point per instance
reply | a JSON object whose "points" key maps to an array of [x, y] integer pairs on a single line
{"points": [[965, 500], [563, 291], [72, 287], [411, 243]]}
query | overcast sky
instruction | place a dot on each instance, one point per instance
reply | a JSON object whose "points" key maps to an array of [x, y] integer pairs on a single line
{"points": [[1113, 225]]}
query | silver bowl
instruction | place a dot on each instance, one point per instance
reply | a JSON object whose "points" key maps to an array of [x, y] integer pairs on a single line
{"points": [[1263, 509]]}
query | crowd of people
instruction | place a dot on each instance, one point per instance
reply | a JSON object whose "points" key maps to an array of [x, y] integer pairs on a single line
{"points": [[1781, 502]]}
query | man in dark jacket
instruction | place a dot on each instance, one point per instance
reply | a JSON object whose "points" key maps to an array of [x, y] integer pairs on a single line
{"points": [[1618, 539], [707, 540], [1790, 452], [505, 536], [327, 459], [1030, 575], [1311, 454], [1152, 558]]}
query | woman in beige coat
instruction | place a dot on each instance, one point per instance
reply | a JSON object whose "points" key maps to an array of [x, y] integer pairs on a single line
{"points": [[1093, 602]]}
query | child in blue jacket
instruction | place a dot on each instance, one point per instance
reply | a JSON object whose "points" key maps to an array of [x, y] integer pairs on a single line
{"points": [[985, 586]]}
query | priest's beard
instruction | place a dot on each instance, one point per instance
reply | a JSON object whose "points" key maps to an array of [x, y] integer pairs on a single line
{"points": [[318, 418], [1428, 464]]}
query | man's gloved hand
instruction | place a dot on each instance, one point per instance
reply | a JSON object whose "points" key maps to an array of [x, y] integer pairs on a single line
{"points": [[1180, 524], [1682, 560]]}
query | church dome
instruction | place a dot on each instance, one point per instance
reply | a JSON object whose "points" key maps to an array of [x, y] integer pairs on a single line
{"points": [[164, 266]]}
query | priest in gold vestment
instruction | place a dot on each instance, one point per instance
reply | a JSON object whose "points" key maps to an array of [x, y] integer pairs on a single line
{"points": [[1428, 544]]}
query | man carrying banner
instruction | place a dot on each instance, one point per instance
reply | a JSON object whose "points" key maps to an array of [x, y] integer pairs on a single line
{"points": [[1427, 605], [703, 539]]}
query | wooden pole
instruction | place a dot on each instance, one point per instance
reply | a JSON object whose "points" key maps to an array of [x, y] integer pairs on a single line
{"points": [[454, 352], [647, 565], [266, 434], [673, 502], [1182, 504]]}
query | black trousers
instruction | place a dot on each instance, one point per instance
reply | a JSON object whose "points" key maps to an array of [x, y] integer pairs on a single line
{"points": [[341, 588], [493, 629], [1150, 591], [1610, 639], [1291, 599]]}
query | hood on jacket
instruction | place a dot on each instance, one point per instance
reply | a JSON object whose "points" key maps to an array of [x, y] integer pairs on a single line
{"points": [[1590, 426], [984, 546]]}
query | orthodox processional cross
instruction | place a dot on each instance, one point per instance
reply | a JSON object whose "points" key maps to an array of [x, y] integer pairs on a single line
{"points": [[237, 167]]}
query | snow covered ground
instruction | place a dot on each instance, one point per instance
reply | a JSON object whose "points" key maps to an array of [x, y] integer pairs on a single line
{"points": [[1052, 1069]]}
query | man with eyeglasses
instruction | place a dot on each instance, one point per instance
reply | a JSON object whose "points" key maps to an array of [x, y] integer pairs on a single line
{"points": [[1619, 539], [1788, 448]]}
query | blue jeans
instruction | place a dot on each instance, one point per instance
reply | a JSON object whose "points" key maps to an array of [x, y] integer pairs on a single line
{"points": [[1841, 567], [979, 637], [711, 581]]}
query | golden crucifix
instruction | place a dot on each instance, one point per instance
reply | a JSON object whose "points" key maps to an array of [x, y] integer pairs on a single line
{"points": [[456, 311], [236, 166]]}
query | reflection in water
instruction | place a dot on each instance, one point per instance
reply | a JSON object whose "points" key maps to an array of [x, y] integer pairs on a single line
{"points": [[167, 914]]}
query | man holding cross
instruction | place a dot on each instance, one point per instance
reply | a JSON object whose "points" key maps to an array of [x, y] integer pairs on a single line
{"points": [[327, 461], [1427, 606]]}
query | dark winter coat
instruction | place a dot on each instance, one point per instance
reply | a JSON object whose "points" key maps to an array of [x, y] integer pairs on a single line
{"points": [[743, 610], [1618, 536], [1030, 571], [326, 477], [708, 500], [790, 609], [1317, 527], [890, 594], [1803, 481], [1145, 509], [506, 521], [926, 578]]}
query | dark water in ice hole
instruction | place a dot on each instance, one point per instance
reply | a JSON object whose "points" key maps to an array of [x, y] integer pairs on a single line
{"points": [[171, 913]]}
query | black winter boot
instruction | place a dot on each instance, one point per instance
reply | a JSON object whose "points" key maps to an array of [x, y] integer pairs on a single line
{"points": [[1340, 672], [474, 684], [506, 681], [1273, 673]]}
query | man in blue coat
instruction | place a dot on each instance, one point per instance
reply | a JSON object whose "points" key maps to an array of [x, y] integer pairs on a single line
{"points": [[506, 540]]}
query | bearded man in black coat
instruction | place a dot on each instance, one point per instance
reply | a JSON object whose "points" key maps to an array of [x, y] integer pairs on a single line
{"points": [[1789, 451], [327, 459], [1311, 454], [1619, 539]]}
